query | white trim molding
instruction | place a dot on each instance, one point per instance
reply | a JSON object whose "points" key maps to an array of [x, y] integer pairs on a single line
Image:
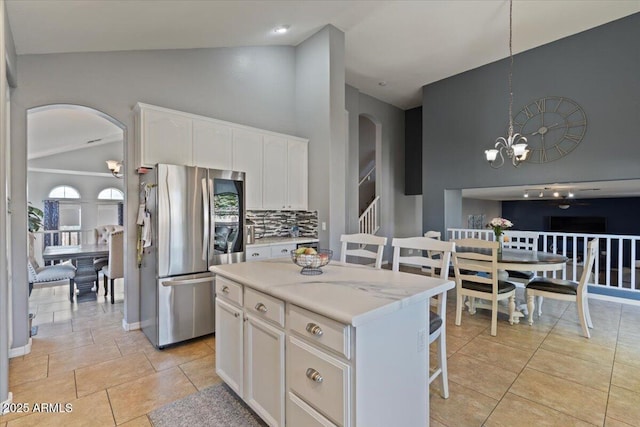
{"points": [[21, 351], [5, 404], [130, 326]]}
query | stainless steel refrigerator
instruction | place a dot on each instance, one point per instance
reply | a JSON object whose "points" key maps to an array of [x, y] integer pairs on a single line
{"points": [[196, 219]]}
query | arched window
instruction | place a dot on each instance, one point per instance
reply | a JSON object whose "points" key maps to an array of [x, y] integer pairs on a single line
{"points": [[111, 193], [64, 192]]}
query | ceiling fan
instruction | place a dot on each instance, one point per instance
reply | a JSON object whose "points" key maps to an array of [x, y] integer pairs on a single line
{"points": [[565, 202]]}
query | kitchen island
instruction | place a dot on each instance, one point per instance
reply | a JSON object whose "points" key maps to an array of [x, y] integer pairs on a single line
{"points": [[348, 347]]}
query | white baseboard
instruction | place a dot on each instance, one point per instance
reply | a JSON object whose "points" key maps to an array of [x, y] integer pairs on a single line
{"points": [[21, 351], [5, 404], [130, 326]]}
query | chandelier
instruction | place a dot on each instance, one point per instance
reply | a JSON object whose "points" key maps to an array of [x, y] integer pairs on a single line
{"points": [[114, 166], [514, 146]]}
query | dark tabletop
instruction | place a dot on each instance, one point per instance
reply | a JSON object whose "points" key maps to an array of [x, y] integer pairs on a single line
{"points": [[520, 256], [52, 253]]}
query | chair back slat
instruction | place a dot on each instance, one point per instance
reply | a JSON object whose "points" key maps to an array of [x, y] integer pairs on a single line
{"points": [[438, 254], [467, 263], [363, 240], [592, 252]]}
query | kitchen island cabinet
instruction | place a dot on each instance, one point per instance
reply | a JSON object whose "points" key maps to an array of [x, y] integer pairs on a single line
{"points": [[354, 339]]}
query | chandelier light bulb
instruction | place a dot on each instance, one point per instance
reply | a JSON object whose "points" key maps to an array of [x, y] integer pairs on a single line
{"points": [[526, 195], [541, 194], [556, 194], [570, 194]]}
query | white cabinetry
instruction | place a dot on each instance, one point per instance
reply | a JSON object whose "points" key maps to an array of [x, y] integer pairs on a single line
{"points": [[212, 145], [165, 137], [275, 164], [251, 357], [247, 157]]}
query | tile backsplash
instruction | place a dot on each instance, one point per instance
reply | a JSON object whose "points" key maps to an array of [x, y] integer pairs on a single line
{"points": [[280, 223]]}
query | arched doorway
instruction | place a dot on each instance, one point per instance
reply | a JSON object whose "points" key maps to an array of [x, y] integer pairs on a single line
{"points": [[68, 145]]}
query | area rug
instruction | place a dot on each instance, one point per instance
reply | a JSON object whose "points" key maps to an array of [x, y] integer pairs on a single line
{"points": [[217, 405]]}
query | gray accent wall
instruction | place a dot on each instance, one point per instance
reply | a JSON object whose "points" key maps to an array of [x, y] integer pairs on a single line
{"points": [[463, 115], [252, 86]]}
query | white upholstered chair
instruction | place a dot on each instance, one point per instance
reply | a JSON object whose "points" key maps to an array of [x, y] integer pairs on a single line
{"points": [[101, 236], [567, 290], [438, 255], [51, 273], [475, 263], [362, 240], [115, 268]]}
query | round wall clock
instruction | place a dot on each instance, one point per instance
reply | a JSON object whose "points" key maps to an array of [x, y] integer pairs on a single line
{"points": [[553, 126]]}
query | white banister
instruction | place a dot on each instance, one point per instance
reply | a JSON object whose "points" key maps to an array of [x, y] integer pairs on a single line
{"points": [[369, 221], [615, 267], [366, 177]]}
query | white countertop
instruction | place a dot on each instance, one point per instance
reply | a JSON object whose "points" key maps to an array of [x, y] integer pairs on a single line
{"points": [[268, 241], [348, 293]]}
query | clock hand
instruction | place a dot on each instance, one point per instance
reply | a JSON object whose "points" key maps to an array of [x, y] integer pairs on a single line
{"points": [[546, 129]]}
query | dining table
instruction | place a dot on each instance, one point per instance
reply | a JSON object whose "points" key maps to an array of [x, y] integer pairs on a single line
{"points": [[82, 257], [522, 260]]}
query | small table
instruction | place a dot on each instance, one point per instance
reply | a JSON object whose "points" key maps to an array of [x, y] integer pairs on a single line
{"points": [[83, 256]]}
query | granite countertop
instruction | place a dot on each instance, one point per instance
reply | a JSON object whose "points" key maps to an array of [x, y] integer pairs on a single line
{"points": [[266, 241], [348, 293]]}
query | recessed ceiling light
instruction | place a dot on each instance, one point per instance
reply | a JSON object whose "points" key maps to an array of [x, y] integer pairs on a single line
{"points": [[570, 194], [541, 194], [526, 195], [281, 29], [556, 194]]}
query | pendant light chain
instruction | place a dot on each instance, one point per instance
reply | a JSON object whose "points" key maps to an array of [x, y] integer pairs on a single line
{"points": [[510, 68]]}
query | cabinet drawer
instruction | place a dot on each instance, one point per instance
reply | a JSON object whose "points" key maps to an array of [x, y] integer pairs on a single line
{"points": [[228, 290], [301, 414], [282, 251], [258, 253], [264, 306], [321, 380], [320, 330]]}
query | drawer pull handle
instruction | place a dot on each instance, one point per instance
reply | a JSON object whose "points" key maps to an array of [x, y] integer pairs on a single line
{"points": [[314, 329], [255, 254], [225, 289], [261, 307], [314, 375]]}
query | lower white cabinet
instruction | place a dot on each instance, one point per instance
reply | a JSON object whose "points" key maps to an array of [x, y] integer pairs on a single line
{"points": [[229, 331], [264, 370]]}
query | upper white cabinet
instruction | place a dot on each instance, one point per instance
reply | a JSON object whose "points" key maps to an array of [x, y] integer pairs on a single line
{"points": [[165, 137], [275, 164], [247, 157], [212, 145]]}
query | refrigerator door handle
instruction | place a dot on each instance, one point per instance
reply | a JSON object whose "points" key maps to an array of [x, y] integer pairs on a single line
{"points": [[211, 219], [206, 216], [187, 281]]}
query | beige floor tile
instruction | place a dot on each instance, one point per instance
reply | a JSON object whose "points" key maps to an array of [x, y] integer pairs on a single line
{"points": [[210, 341], [454, 343], [42, 318], [497, 354], [626, 376], [55, 388], [464, 407], [493, 381], [47, 330], [83, 356], [610, 422], [202, 372], [435, 423], [624, 405], [139, 422], [627, 354], [514, 410], [108, 333], [94, 407], [516, 336], [111, 373], [48, 345], [134, 342], [136, 398], [62, 315], [599, 335], [579, 347], [466, 331], [27, 369], [54, 306], [591, 374], [174, 356], [630, 339], [562, 395], [104, 320]]}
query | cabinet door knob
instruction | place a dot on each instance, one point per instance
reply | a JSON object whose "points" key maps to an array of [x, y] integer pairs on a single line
{"points": [[314, 329], [314, 375], [284, 251], [255, 254], [236, 314], [225, 289], [261, 307]]}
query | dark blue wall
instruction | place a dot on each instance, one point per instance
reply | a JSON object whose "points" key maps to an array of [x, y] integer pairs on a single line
{"points": [[622, 214]]}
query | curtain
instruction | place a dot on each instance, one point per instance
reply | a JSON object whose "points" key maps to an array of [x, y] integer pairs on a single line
{"points": [[120, 213], [51, 220]]}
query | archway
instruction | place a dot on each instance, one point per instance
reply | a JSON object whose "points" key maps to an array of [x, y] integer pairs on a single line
{"points": [[68, 145]]}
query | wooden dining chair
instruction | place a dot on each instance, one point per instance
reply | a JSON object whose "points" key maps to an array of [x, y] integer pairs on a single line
{"points": [[475, 263], [524, 240], [115, 269], [434, 255], [567, 290], [362, 240]]}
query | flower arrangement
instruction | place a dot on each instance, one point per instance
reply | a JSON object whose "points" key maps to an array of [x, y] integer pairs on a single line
{"points": [[499, 225]]}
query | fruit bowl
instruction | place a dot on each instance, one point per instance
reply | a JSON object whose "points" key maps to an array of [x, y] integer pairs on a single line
{"points": [[311, 262]]}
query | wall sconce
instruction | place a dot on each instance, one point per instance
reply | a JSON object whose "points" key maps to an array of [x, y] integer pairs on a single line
{"points": [[114, 166]]}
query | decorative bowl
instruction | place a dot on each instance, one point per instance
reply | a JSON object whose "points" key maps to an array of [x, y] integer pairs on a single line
{"points": [[311, 263]]}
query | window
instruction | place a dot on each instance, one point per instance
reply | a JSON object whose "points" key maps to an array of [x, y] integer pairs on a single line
{"points": [[70, 214], [64, 192], [111, 193]]}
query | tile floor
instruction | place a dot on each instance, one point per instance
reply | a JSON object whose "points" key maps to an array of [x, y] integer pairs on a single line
{"points": [[546, 374]]}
